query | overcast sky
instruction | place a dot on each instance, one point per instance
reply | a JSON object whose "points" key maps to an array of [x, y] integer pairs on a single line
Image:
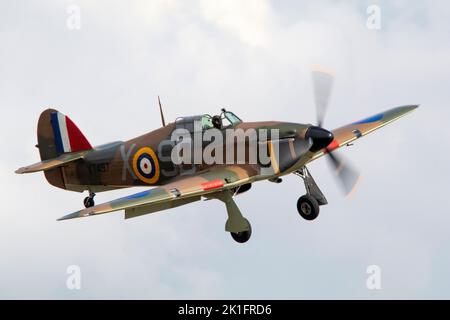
{"points": [[254, 58]]}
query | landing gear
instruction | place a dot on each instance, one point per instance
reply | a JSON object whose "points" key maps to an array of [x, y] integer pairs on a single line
{"points": [[239, 227], [89, 201], [242, 236], [308, 206]]}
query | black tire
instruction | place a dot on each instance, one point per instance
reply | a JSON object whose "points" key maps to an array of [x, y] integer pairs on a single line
{"points": [[88, 202], [308, 207], [244, 236]]}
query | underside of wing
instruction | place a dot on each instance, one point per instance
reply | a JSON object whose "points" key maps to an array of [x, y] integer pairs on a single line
{"points": [[179, 192], [349, 133]]}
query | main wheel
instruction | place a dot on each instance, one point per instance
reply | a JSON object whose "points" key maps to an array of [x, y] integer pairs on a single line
{"points": [[243, 236], [88, 202], [308, 207]]}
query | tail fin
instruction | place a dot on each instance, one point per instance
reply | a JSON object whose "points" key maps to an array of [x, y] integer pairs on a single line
{"points": [[57, 134]]}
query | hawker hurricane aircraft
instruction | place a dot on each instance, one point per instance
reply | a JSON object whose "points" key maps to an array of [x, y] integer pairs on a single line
{"points": [[70, 162]]}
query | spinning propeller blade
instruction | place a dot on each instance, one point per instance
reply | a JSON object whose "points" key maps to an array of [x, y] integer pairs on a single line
{"points": [[345, 173], [323, 84]]}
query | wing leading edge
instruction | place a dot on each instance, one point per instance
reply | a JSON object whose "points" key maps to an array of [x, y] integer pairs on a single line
{"points": [[349, 133]]}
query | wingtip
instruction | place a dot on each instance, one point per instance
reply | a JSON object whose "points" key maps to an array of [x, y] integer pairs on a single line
{"points": [[63, 218], [412, 107], [21, 170], [406, 108], [70, 216]]}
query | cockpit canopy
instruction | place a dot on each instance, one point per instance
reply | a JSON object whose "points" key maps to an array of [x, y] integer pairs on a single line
{"points": [[227, 120]]}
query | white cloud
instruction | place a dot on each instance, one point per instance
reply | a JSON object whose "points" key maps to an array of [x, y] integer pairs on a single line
{"points": [[250, 21]]}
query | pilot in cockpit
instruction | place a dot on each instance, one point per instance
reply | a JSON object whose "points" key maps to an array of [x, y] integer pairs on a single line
{"points": [[226, 119], [217, 122]]}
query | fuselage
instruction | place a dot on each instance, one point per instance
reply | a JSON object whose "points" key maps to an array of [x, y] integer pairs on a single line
{"points": [[148, 160]]}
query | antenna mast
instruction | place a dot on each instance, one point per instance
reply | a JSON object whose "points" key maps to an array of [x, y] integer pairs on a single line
{"points": [[161, 112]]}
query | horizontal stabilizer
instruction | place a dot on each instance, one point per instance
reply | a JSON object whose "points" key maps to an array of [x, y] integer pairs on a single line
{"points": [[52, 163]]}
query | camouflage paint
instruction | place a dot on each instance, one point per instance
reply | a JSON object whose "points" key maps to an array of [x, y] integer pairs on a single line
{"points": [[116, 165]]}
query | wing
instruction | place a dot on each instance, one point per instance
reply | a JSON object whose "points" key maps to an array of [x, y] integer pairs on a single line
{"points": [[349, 133], [182, 191]]}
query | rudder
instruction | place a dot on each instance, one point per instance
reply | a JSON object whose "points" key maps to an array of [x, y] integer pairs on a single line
{"points": [[57, 134]]}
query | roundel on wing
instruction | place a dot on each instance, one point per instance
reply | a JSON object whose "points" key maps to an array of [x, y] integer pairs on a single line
{"points": [[146, 165]]}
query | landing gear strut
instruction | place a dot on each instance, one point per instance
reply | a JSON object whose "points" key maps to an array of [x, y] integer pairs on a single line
{"points": [[89, 201], [308, 206], [239, 228]]}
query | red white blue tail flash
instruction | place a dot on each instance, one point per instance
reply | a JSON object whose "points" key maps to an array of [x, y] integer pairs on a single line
{"points": [[68, 138]]}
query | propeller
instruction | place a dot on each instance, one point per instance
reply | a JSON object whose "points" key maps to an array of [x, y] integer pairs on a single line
{"points": [[322, 84], [345, 173]]}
